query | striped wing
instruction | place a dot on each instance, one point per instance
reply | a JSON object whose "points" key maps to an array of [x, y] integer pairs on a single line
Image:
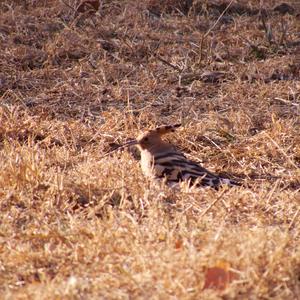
{"points": [[176, 168]]}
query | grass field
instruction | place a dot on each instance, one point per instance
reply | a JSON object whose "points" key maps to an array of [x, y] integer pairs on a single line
{"points": [[75, 84]]}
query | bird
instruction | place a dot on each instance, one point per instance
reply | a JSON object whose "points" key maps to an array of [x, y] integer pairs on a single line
{"points": [[160, 160]]}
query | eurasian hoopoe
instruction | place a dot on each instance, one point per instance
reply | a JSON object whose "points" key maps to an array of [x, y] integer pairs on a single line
{"points": [[160, 160]]}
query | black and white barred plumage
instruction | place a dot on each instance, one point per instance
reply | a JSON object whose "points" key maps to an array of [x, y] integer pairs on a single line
{"points": [[161, 160]]}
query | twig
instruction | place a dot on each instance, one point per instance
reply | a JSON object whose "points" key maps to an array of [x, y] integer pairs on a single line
{"points": [[218, 147], [294, 218], [65, 3], [211, 28], [267, 27], [277, 183], [284, 29], [213, 203], [167, 63], [287, 101], [282, 151]]}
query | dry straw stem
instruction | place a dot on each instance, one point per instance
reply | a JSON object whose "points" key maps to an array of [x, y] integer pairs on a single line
{"points": [[210, 29], [294, 218], [282, 151], [213, 203]]}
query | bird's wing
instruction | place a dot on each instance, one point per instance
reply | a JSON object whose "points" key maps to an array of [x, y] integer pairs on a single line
{"points": [[176, 167]]}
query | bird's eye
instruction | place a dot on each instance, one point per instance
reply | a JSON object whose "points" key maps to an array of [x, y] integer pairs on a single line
{"points": [[146, 139]]}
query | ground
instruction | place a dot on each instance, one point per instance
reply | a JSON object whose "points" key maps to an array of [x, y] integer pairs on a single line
{"points": [[78, 80]]}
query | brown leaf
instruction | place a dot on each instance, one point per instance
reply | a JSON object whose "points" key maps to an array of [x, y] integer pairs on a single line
{"points": [[178, 244], [219, 276], [88, 5]]}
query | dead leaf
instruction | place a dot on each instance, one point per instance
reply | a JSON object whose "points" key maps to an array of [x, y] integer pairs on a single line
{"points": [[178, 244], [219, 276], [88, 5], [162, 237]]}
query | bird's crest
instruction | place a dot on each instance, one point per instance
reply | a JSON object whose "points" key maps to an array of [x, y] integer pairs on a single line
{"points": [[165, 129], [152, 138], [158, 132]]}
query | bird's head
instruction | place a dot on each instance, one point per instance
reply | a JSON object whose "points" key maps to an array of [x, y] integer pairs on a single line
{"points": [[152, 137]]}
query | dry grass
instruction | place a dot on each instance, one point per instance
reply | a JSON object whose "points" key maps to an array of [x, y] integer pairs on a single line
{"points": [[73, 85]]}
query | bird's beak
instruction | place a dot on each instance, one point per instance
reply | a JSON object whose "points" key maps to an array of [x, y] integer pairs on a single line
{"points": [[130, 143], [127, 144]]}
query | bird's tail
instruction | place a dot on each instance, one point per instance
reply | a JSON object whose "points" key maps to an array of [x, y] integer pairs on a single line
{"points": [[230, 182]]}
